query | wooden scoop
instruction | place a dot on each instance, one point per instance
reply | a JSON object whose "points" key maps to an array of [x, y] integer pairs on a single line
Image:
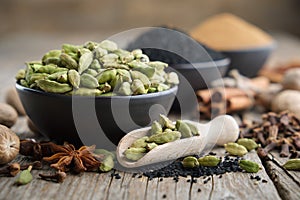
{"points": [[221, 130]]}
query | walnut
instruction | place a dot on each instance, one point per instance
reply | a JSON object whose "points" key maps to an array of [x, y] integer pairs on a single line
{"points": [[9, 145]]}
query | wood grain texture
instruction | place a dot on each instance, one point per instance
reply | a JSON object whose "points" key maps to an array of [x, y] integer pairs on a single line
{"points": [[239, 185]]}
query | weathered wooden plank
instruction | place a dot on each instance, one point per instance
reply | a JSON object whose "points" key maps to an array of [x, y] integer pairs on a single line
{"points": [[238, 185], [202, 189], [137, 187], [166, 189], [286, 187], [183, 189], [151, 191], [295, 175]]}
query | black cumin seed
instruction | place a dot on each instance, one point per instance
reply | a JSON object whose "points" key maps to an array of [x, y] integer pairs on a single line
{"points": [[264, 181], [164, 196], [212, 153], [199, 190], [161, 179], [117, 176], [189, 180]]}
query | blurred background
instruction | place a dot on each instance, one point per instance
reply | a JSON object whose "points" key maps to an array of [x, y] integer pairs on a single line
{"points": [[32, 27]]}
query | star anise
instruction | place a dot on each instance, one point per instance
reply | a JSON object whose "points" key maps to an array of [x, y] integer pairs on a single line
{"points": [[67, 158]]}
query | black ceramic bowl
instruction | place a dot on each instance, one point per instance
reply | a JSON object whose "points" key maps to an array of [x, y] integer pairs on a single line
{"points": [[249, 61], [200, 75], [92, 120]]}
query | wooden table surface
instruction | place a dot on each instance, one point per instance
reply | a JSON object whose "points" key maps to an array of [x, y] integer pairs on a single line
{"points": [[281, 184]]}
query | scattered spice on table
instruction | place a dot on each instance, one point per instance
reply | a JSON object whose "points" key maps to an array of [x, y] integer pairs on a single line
{"points": [[176, 169]]}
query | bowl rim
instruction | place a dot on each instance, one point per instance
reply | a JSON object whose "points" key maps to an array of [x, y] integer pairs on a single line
{"points": [[173, 89], [203, 65], [270, 46]]}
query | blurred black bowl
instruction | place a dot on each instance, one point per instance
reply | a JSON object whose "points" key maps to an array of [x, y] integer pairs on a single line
{"points": [[200, 75], [249, 61], [92, 120]]}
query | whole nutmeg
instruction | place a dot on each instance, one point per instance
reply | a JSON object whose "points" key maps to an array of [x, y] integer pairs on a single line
{"points": [[291, 79], [9, 145], [8, 115], [287, 100], [12, 98]]}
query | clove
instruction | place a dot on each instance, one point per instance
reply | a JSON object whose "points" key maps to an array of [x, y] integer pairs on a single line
{"points": [[35, 165], [11, 170], [37, 150], [58, 177], [284, 148]]}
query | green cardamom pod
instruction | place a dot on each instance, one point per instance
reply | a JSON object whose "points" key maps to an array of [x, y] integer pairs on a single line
{"points": [[142, 58], [137, 87], [109, 58], [152, 89], [140, 143], [24, 83], [193, 128], [51, 57], [156, 128], [92, 72], [53, 86], [150, 146], [100, 52], [90, 45], [126, 75], [20, 74], [124, 89], [37, 76], [166, 122], [136, 52], [69, 48], [209, 161], [108, 94], [162, 87], [135, 154], [24, 177], [172, 78], [165, 137], [115, 65], [85, 92], [190, 162], [68, 61], [292, 164], [104, 87], [107, 76], [139, 75], [105, 152], [248, 143], [235, 149], [158, 65], [55, 76], [84, 61], [48, 69], [87, 80], [95, 65], [184, 129], [108, 45], [249, 166], [74, 78], [148, 71], [107, 164]]}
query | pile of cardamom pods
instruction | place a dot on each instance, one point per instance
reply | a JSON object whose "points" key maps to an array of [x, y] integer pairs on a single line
{"points": [[161, 132], [96, 69]]}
